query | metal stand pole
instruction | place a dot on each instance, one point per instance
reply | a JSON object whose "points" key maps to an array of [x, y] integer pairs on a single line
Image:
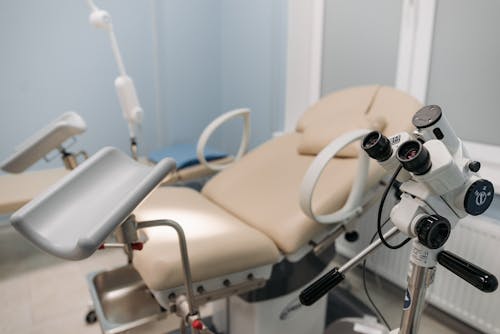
{"points": [[188, 281], [418, 281], [420, 278]]}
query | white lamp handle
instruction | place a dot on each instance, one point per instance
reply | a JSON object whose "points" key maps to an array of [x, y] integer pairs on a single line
{"points": [[205, 135], [353, 204]]}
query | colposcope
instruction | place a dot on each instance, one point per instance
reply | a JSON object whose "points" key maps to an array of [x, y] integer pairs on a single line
{"points": [[440, 185]]}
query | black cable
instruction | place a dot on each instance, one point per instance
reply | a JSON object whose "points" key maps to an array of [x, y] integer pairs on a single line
{"points": [[379, 216], [376, 309], [382, 239]]}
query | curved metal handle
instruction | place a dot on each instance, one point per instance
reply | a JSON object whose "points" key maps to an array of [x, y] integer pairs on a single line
{"points": [[353, 203], [186, 267], [205, 135]]}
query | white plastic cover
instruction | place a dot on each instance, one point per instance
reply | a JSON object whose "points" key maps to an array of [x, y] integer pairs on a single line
{"points": [[44, 141], [72, 218]]}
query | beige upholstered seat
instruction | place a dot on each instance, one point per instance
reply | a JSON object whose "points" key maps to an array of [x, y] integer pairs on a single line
{"points": [[218, 242], [245, 210], [263, 191], [18, 189]]}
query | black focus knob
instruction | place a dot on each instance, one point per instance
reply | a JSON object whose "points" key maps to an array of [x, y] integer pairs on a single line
{"points": [[474, 166], [433, 231], [478, 197]]}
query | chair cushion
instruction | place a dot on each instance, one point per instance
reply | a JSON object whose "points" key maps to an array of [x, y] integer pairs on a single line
{"points": [[371, 107], [315, 141], [396, 107], [18, 189], [262, 189], [218, 243], [338, 108]]}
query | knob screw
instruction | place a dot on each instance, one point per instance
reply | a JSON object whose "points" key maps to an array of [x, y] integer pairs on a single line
{"points": [[474, 166]]}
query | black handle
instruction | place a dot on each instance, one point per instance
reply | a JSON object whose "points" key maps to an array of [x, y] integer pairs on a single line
{"points": [[469, 272], [320, 287]]}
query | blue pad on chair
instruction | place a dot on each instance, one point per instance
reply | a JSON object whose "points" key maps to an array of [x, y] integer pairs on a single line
{"points": [[184, 155]]}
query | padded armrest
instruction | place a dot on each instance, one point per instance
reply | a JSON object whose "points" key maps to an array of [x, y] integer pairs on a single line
{"points": [[74, 216], [45, 140], [214, 125], [352, 206]]}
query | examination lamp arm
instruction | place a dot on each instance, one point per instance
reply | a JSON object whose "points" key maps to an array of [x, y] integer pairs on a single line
{"points": [[125, 88]]}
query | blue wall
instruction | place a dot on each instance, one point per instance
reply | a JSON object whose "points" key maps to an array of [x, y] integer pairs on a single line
{"points": [[217, 56], [211, 56], [254, 64], [52, 61], [189, 53]]}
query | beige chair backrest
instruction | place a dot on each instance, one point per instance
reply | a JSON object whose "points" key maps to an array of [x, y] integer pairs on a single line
{"points": [[262, 189]]}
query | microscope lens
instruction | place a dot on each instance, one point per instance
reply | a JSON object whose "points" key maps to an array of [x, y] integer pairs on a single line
{"points": [[377, 146], [411, 154], [414, 157]]}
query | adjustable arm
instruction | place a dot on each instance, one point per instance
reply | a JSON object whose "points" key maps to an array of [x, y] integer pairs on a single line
{"points": [[331, 279], [353, 204], [102, 20], [125, 88], [209, 130]]}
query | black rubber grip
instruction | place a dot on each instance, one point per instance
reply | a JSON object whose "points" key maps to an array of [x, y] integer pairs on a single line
{"points": [[320, 287], [469, 272]]}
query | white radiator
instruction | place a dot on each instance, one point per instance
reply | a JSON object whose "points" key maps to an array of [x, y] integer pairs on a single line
{"points": [[476, 239]]}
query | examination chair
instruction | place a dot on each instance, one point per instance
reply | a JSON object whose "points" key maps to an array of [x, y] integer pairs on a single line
{"points": [[246, 233], [247, 218]]}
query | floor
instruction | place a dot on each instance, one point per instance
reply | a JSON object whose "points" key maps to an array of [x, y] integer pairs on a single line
{"points": [[41, 294]]}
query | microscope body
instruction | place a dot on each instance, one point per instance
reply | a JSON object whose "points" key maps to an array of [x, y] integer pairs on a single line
{"points": [[439, 185], [438, 178]]}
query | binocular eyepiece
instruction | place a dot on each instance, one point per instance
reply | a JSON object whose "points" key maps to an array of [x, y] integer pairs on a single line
{"points": [[412, 154], [377, 146], [414, 157]]}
